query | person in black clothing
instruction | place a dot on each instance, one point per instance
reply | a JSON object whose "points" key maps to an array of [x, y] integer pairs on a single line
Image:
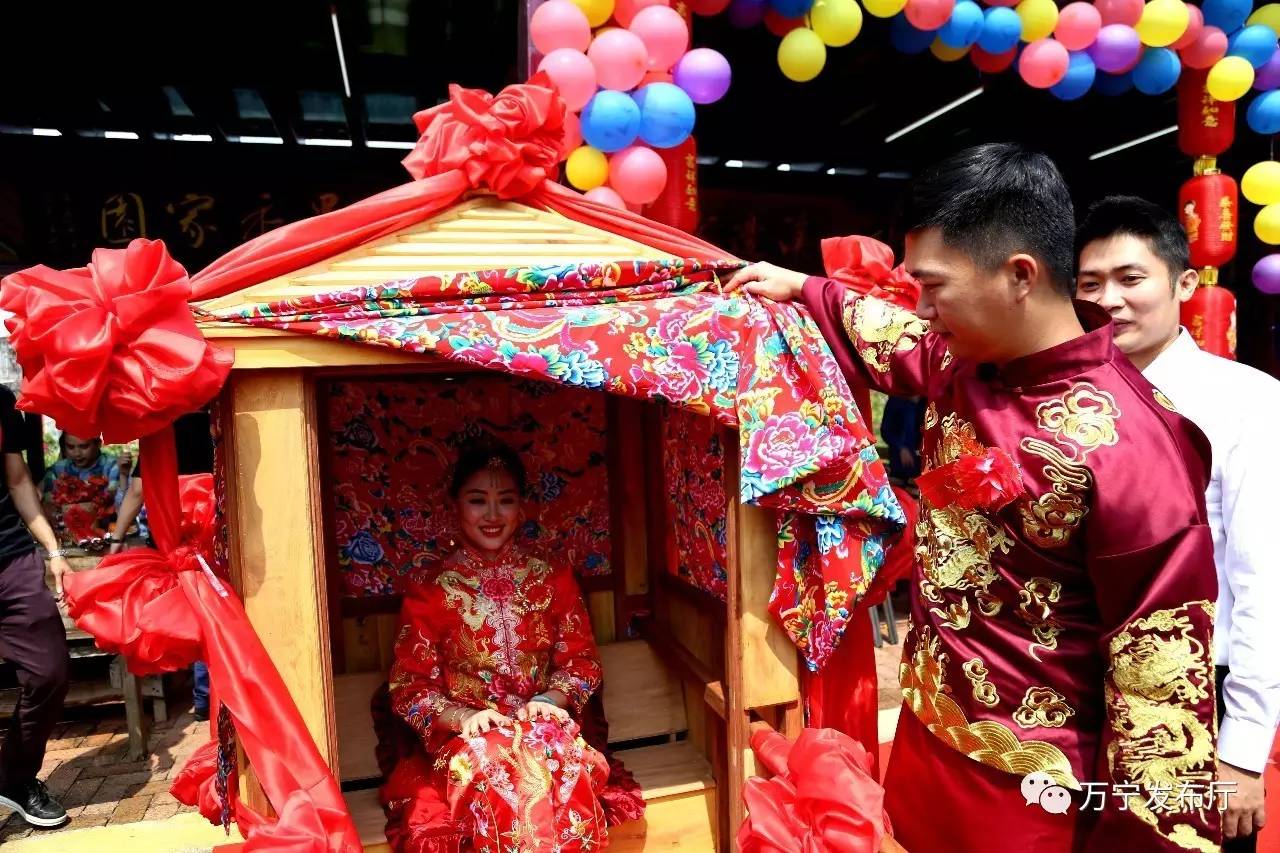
{"points": [[32, 636], [900, 428]]}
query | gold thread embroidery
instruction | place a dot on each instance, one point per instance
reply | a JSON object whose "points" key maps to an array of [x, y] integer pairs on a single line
{"points": [[879, 329], [1084, 416], [931, 416], [983, 691], [956, 616], [946, 360], [1043, 706], [922, 673], [1163, 400], [1033, 608]]}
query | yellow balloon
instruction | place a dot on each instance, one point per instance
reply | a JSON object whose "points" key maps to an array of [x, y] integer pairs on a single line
{"points": [[1163, 22], [597, 11], [1268, 15], [884, 8], [1230, 78], [1261, 183], [587, 168], [801, 55], [1267, 224], [1039, 17], [837, 22], [945, 53]]}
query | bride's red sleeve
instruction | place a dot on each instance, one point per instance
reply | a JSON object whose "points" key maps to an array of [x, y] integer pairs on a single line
{"points": [[418, 693], [575, 664]]}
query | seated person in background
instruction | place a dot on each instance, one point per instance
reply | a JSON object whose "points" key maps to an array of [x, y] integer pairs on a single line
{"points": [[494, 660], [900, 429], [80, 488]]}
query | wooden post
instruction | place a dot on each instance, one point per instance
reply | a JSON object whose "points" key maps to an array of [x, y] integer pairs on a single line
{"points": [[277, 542]]}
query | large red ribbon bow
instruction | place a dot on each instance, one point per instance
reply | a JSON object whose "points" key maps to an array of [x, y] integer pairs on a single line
{"points": [[989, 481], [866, 266]]}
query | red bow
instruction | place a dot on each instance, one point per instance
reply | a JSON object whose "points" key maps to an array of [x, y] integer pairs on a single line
{"points": [[866, 266], [111, 348], [822, 797], [509, 143], [989, 482]]}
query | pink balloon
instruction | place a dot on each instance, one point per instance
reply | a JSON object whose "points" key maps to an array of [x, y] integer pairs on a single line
{"points": [[1078, 25], [664, 33], [929, 15], [573, 74], [625, 10], [607, 197], [1044, 63], [557, 24], [1125, 12], [1208, 48], [620, 59], [1195, 23], [638, 174], [572, 135]]}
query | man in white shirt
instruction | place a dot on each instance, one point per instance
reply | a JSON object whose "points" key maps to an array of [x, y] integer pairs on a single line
{"points": [[1133, 261]]}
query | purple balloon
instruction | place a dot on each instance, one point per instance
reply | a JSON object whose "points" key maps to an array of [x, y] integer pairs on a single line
{"points": [[1267, 77], [704, 74], [1266, 274], [747, 13], [1117, 49]]}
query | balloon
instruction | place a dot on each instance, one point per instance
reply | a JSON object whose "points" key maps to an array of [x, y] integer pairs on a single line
{"points": [[1264, 113], [620, 59], [837, 22], [1256, 44], [1268, 16], [779, 25], [707, 8], [1261, 183], [638, 174], [992, 63], [656, 77], [1127, 12], [610, 121], [1195, 23], [1208, 48], [587, 168], [906, 38], [1226, 15], [572, 135], [1266, 274], [624, 11], [1113, 84], [666, 114], [1001, 29], [1116, 49], [573, 74], [1002, 3], [1039, 17], [1229, 78], [597, 11], [747, 13], [1268, 76], [1078, 79], [607, 197], [1078, 25], [1163, 22], [557, 24], [964, 26], [801, 55], [884, 8], [929, 14], [664, 33], [1267, 224], [791, 8], [945, 52], [1043, 63], [704, 74], [1157, 71]]}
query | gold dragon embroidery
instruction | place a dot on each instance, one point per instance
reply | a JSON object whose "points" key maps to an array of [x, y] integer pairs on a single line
{"points": [[879, 329]]}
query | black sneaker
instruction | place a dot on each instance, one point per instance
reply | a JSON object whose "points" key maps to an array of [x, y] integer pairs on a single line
{"points": [[34, 803], [201, 716]]}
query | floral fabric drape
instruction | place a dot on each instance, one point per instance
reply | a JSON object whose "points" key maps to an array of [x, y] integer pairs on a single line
{"points": [[698, 525]]}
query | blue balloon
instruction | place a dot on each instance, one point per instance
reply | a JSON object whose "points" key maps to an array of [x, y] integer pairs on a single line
{"points": [[1264, 113], [666, 114], [610, 121], [964, 26], [1079, 77], [1157, 71], [1001, 29], [791, 8], [1113, 84], [1256, 44], [1226, 15], [906, 38]]}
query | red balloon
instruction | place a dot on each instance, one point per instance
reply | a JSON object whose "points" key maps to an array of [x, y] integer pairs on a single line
{"points": [[1044, 63], [708, 7], [638, 174], [1125, 12], [1208, 48], [992, 63], [779, 25], [1195, 23], [625, 10], [929, 15], [572, 135]]}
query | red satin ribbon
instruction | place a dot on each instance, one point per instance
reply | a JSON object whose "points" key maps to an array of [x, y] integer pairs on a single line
{"points": [[866, 266]]}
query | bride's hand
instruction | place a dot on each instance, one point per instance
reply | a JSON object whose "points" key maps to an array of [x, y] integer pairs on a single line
{"points": [[479, 722], [539, 710]]}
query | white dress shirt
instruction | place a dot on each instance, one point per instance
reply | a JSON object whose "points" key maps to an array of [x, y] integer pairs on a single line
{"points": [[1238, 409]]}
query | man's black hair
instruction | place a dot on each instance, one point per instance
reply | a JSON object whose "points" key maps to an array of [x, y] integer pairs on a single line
{"points": [[1137, 217], [996, 200]]}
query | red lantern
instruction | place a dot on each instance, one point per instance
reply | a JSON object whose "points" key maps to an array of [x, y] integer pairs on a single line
{"points": [[1210, 316], [1206, 127], [677, 206], [1209, 208]]}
